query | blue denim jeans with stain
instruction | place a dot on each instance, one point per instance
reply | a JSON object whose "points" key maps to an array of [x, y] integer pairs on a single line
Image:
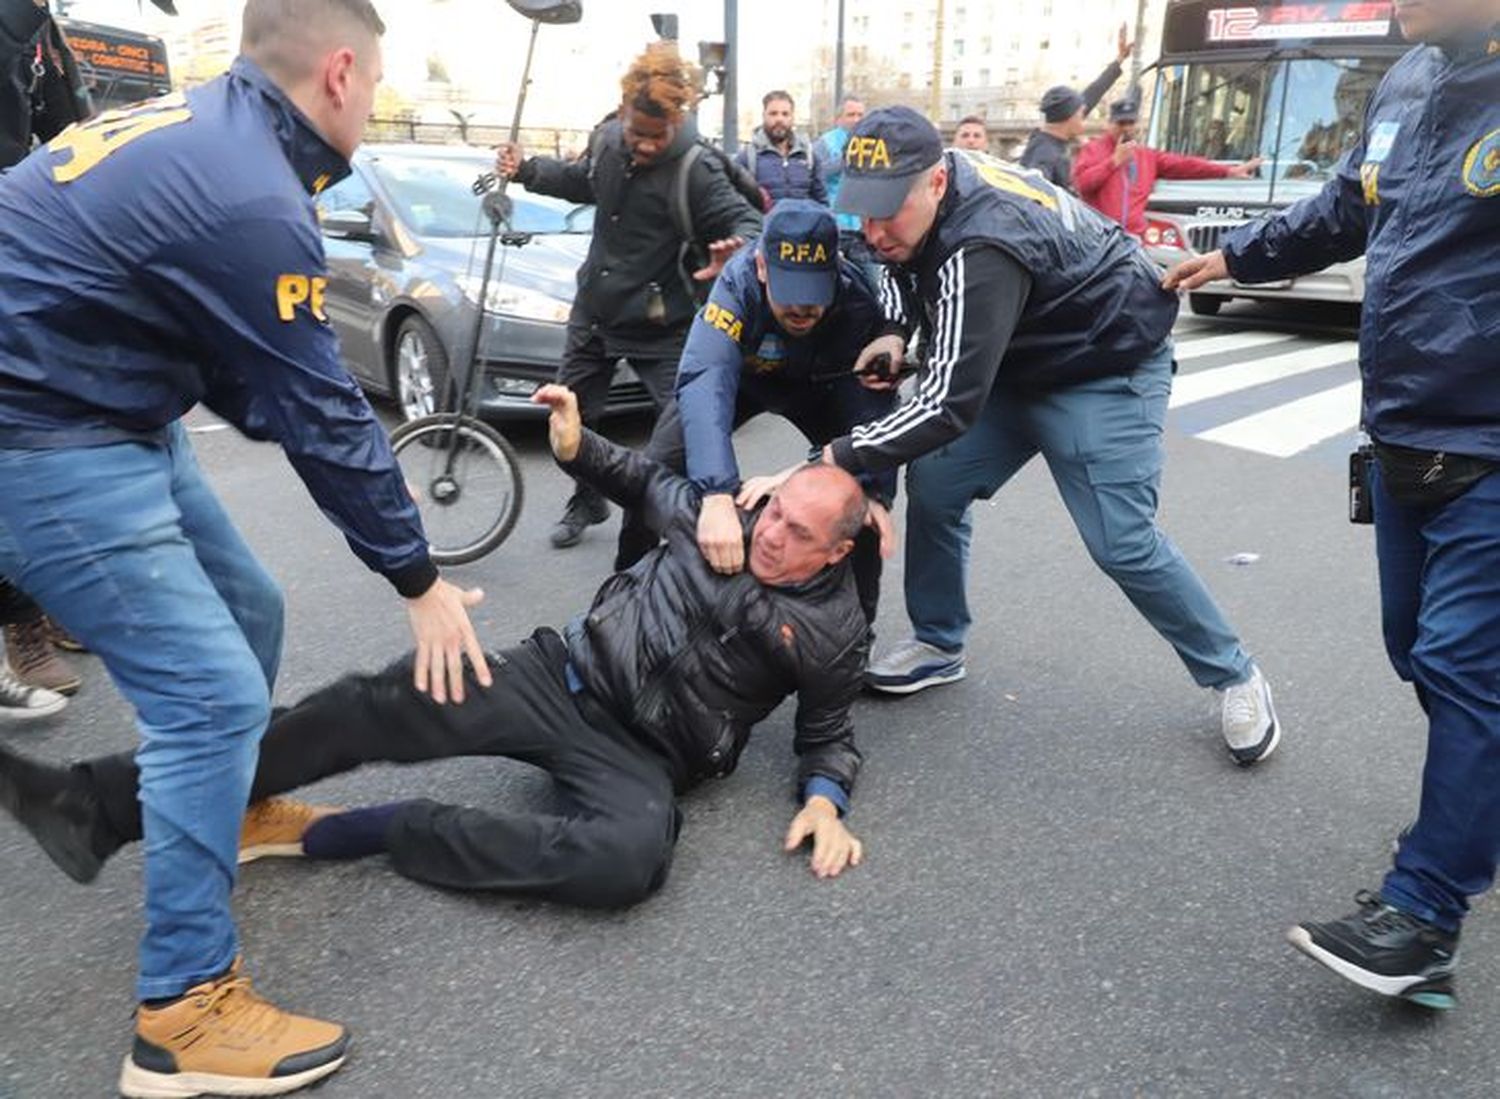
{"points": [[1440, 612], [1102, 442], [127, 546]]}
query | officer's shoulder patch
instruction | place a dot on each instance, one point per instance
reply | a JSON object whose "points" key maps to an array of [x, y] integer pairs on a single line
{"points": [[1482, 166]]}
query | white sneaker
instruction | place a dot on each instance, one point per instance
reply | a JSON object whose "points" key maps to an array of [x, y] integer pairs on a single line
{"points": [[20, 702], [1249, 719], [912, 665]]}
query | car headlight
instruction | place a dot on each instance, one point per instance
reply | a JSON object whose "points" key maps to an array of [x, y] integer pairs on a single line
{"points": [[517, 301]]}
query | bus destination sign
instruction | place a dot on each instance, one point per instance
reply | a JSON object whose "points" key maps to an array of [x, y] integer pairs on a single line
{"points": [[1292, 21]]}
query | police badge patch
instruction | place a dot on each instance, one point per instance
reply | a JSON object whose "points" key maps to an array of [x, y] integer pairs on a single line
{"points": [[1482, 166]]}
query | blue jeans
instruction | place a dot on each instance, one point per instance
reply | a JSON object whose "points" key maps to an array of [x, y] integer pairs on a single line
{"points": [[1102, 442], [127, 546], [1440, 610]]}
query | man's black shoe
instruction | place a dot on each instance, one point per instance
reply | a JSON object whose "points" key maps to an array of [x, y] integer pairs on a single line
{"points": [[585, 508], [56, 806], [1385, 950]]}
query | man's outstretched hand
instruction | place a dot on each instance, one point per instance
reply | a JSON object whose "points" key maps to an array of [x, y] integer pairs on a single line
{"points": [[834, 846], [1198, 271], [440, 623], [718, 255], [565, 425]]}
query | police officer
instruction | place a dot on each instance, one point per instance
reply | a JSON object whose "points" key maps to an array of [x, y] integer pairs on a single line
{"points": [[1419, 195], [1046, 333], [165, 258], [782, 326]]}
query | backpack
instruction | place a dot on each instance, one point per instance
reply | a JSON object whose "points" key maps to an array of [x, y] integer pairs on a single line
{"points": [[41, 89]]}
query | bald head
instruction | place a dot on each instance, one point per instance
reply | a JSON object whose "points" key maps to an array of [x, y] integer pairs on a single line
{"points": [[809, 524], [290, 38]]}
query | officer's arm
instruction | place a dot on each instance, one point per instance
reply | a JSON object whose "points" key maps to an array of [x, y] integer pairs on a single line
{"points": [[570, 180], [255, 302], [1329, 227], [897, 302], [708, 384], [971, 328]]}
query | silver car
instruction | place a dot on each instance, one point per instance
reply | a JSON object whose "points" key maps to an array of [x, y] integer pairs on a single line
{"points": [[405, 239]]}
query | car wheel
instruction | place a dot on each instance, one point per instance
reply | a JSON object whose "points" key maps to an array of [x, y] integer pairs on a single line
{"points": [[1205, 305], [419, 369]]}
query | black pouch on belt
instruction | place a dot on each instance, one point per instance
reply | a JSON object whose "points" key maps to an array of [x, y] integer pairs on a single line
{"points": [[1428, 478]]}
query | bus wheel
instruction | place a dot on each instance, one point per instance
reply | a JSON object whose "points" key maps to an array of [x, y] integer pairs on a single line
{"points": [[1205, 305]]}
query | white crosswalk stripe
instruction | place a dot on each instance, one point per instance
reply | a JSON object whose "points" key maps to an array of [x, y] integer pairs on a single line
{"points": [[1204, 385], [1261, 399]]}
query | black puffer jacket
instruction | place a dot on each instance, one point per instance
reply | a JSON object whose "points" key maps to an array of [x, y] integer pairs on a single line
{"points": [[636, 239], [690, 659]]}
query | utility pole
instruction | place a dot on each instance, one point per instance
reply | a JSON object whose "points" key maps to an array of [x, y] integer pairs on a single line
{"points": [[1140, 42], [838, 65], [935, 99], [731, 77]]}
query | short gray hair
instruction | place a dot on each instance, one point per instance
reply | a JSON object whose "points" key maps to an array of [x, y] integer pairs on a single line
{"points": [[288, 37], [850, 519]]}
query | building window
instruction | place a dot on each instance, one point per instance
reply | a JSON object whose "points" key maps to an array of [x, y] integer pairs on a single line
{"points": [[958, 47], [984, 78], [958, 79]]}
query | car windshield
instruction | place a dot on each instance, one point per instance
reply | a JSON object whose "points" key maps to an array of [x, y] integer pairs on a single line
{"points": [[1301, 114], [433, 195]]}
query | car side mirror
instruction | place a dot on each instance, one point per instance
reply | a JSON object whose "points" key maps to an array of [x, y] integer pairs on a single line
{"points": [[348, 225]]}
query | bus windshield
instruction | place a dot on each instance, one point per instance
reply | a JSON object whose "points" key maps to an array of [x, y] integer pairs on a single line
{"points": [[1300, 113]]}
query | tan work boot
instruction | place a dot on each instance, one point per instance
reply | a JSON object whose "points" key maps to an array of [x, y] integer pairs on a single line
{"points": [[220, 1038], [35, 662], [60, 637], [275, 827]]}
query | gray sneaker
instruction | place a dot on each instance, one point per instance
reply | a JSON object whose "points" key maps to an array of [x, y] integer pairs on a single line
{"points": [[20, 702], [1249, 719], [912, 665]]}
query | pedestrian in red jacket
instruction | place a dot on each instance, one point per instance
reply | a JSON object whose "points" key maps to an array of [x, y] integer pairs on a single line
{"points": [[1114, 173]]}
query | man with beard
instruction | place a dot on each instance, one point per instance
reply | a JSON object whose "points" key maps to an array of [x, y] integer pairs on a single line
{"points": [[637, 286], [784, 163]]}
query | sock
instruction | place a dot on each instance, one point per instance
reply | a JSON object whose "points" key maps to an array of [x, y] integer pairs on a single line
{"points": [[354, 834]]}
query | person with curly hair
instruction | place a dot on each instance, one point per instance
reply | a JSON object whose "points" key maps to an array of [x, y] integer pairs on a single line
{"points": [[637, 286]]}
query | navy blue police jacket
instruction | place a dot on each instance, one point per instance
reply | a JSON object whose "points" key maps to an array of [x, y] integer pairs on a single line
{"points": [[1419, 196], [739, 360], [170, 255]]}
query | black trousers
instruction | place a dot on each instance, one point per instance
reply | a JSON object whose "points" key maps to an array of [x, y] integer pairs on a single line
{"points": [[609, 843], [666, 446], [15, 605], [587, 370]]}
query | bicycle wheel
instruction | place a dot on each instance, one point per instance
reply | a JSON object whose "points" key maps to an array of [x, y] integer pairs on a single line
{"points": [[471, 508]]}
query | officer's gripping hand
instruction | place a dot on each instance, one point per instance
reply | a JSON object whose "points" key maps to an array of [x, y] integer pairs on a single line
{"points": [[720, 536], [878, 518], [440, 623], [1198, 271], [756, 489], [564, 425], [894, 347], [834, 846]]}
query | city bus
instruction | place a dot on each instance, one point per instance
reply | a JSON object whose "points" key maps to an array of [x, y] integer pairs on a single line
{"points": [[1287, 82], [120, 67]]}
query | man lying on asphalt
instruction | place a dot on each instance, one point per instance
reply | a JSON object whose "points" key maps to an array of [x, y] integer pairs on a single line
{"points": [[653, 690]]}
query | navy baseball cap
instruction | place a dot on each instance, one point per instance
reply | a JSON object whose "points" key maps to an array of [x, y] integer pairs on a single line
{"points": [[886, 151], [801, 245]]}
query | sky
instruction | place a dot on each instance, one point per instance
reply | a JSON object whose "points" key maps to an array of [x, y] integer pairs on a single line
{"points": [[483, 43]]}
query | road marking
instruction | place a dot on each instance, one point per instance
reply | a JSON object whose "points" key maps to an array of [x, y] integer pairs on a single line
{"points": [[1234, 341], [1203, 385], [1291, 428]]}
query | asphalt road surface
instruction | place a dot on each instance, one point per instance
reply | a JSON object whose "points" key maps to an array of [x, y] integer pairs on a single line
{"points": [[1069, 890]]}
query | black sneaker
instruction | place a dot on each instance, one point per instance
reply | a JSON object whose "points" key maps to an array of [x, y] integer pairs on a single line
{"points": [[585, 509], [1385, 950], [56, 806]]}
